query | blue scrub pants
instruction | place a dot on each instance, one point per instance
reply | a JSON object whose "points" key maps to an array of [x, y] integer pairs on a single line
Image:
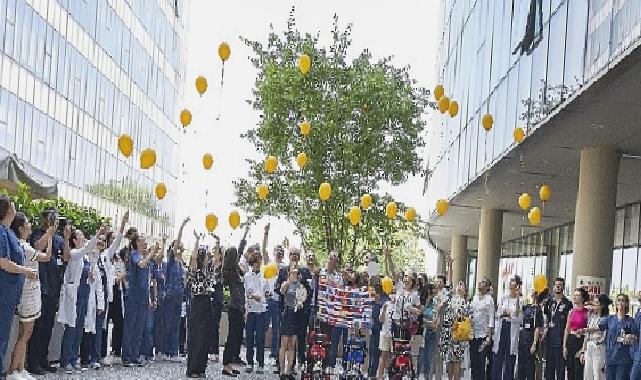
{"points": [[136, 307], [73, 335], [171, 317]]}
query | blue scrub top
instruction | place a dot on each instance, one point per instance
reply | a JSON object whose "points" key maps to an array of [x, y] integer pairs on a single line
{"points": [[174, 277], [138, 277], [158, 273], [10, 283], [616, 352]]}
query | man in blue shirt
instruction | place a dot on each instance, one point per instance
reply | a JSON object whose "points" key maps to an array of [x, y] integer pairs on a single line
{"points": [[50, 274]]}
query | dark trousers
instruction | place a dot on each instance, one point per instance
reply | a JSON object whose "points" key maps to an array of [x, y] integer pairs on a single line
{"points": [[554, 363], [116, 317], [337, 333], [147, 347], [635, 373], [182, 336], [503, 366], [235, 320], [38, 348], [159, 329], [620, 371], [573, 363], [525, 370], [273, 312], [374, 353], [302, 338], [200, 331], [477, 359], [255, 337], [217, 306], [172, 308]]}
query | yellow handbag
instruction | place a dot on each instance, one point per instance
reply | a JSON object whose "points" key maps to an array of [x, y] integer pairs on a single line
{"points": [[462, 330]]}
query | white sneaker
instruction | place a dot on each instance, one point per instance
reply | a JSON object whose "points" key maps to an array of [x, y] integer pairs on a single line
{"points": [[106, 361], [26, 375], [15, 376], [95, 365], [175, 359], [69, 369]]}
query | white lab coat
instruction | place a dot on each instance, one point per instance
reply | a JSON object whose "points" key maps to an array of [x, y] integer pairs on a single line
{"points": [[508, 304], [96, 295], [71, 282], [107, 256]]}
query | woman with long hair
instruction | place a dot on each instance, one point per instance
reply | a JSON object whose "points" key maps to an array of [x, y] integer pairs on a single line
{"points": [[293, 292], [216, 298], [506, 332], [455, 309], [235, 311], [12, 271], [592, 353], [115, 312], [573, 335], [199, 279], [621, 334], [30, 303], [74, 297]]}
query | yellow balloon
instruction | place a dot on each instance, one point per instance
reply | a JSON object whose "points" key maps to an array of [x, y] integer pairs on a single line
{"points": [[125, 145], [325, 191], [387, 284], [304, 63], [234, 219], [540, 283], [224, 51], [453, 108], [161, 190], [354, 215], [305, 128], [147, 158], [366, 201], [301, 159], [410, 214], [185, 117], [271, 163], [442, 206], [439, 91], [390, 210], [208, 161], [534, 216], [211, 222], [487, 122], [443, 104], [270, 271], [545, 193], [201, 85], [519, 135], [262, 190], [524, 201]]}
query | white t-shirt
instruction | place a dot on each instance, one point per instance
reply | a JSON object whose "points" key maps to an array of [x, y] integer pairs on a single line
{"points": [[405, 300], [482, 315], [387, 312]]}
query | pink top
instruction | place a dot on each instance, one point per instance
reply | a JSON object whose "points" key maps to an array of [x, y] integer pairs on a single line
{"points": [[578, 319]]}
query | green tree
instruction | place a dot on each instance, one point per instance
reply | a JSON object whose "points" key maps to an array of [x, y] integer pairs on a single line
{"points": [[366, 123]]}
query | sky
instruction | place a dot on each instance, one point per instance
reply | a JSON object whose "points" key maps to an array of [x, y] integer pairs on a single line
{"points": [[406, 30]]}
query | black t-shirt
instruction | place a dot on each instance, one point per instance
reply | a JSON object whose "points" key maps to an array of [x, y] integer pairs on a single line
{"points": [[557, 318], [50, 272]]}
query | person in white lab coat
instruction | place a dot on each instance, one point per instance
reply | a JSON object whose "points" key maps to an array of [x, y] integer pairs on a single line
{"points": [[506, 332], [79, 283]]}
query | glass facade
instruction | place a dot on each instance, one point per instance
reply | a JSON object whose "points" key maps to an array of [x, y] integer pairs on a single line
{"points": [[489, 63], [74, 75]]}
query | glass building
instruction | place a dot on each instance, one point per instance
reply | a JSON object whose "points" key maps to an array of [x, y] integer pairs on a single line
{"points": [[561, 70], [76, 74]]}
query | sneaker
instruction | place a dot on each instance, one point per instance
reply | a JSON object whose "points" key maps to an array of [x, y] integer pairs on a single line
{"points": [[249, 369], [15, 376], [26, 375], [160, 357], [175, 359], [126, 364], [69, 369], [78, 368], [95, 365], [106, 361], [37, 371], [48, 368], [260, 370]]}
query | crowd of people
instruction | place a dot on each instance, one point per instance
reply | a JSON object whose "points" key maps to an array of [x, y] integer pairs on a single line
{"points": [[155, 300]]}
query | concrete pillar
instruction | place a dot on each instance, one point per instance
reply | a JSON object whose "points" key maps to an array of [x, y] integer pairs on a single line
{"points": [[490, 234], [595, 213], [459, 259]]}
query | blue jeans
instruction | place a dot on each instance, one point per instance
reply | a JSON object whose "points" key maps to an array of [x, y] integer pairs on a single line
{"points": [[96, 345], [430, 343], [374, 353], [273, 317], [73, 335], [618, 371], [148, 336], [503, 364], [337, 332], [7, 312], [171, 316], [635, 373], [255, 335], [135, 318]]}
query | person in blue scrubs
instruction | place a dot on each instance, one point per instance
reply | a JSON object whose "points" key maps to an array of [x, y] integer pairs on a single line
{"points": [[136, 301], [622, 332], [12, 271], [636, 366], [174, 292]]}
